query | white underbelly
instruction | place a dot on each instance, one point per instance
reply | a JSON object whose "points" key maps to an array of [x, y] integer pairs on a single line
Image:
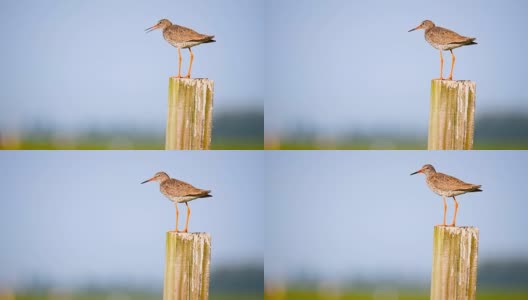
{"points": [[184, 45], [182, 199], [444, 47]]}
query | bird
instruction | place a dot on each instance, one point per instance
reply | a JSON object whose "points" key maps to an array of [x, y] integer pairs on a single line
{"points": [[178, 191], [181, 38], [444, 39], [446, 186]]}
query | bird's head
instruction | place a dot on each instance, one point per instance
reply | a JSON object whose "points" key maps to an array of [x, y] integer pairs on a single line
{"points": [[424, 25], [159, 177], [162, 24], [426, 169]]}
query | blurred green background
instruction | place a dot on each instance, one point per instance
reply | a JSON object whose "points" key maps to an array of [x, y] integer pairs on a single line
{"points": [[239, 283], [234, 130], [500, 279], [507, 130]]}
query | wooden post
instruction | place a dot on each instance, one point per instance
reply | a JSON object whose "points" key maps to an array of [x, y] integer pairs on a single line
{"points": [[452, 115], [188, 256], [190, 114], [455, 252]]}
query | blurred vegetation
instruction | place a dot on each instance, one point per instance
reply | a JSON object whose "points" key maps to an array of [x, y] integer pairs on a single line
{"points": [[510, 273], [119, 296], [243, 279], [245, 282], [238, 130], [384, 295], [493, 131], [501, 278]]}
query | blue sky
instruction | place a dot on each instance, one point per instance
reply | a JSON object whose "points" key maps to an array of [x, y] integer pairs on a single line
{"points": [[344, 65], [80, 63], [354, 214], [75, 216]]}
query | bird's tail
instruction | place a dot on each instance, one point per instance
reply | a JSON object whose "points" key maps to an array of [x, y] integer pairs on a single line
{"points": [[209, 39], [205, 194], [476, 188]]}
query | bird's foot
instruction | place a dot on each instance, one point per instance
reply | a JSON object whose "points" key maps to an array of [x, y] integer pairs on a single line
{"points": [[441, 78], [449, 78], [451, 225], [177, 231], [440, 225], [185, 230], [188, 76]]}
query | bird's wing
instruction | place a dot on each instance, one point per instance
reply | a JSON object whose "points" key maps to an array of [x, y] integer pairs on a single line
{"points": [[185, 34], [440, 35], [179, 188], [446, 182]]}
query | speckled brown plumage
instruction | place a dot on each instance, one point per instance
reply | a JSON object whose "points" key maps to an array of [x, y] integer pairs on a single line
{"points": [[444, 39], [446, 186], [182, 38], [178, 191]]}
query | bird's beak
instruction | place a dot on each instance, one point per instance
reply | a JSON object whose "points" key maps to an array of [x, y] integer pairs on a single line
{"points": [[419, 171], [414, 28], [148, 180], [151, 28]]}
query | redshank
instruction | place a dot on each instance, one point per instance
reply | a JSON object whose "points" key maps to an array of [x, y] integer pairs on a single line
{"points": [[444, 39], [178, 191], [446, 186], [181, 38]]}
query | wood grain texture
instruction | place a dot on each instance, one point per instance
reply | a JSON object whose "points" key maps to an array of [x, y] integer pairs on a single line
{"points": [[190, 114], [455, 253], [452, 115], [187, 266]]}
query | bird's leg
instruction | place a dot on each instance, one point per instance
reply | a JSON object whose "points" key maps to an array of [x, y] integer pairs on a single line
{"points": [[190, 64], [456, 209], [441, 67], [177, 216], [445, 211], [188, 215], [453, 58], [179, 63]]}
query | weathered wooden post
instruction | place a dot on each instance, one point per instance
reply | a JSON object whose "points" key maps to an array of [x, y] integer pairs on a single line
{"points": [[452, 115], [190, 114], [455, 252], [188, 256]]}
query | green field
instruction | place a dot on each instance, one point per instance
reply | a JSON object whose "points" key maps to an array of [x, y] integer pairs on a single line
{"points": [[389, 145], [121, 296], [382, 295], [241, 144], [104, 144]]}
